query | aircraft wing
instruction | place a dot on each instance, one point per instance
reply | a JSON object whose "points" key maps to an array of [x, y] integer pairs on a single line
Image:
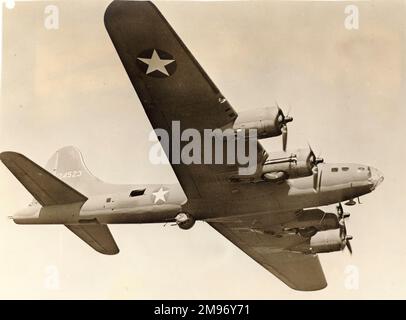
{"points": [[299, 271], [172, 86], [98, 236]]}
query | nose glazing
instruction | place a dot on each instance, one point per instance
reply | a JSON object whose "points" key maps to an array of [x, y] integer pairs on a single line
{"points": [[376, 178]]}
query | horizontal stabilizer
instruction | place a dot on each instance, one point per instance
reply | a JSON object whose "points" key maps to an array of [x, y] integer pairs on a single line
{"points": [[98, 236], [47, 189]]}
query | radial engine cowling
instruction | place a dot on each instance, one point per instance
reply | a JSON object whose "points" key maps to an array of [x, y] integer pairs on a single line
{"points": [[290, 164], [269, 122], [327, 241], [323, 241]]}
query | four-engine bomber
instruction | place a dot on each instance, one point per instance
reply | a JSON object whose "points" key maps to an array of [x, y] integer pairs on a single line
{"points": [[273, 216]]}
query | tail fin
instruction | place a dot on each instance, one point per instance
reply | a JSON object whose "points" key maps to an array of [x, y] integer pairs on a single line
{"points": [[73, 182], [68, 165]]}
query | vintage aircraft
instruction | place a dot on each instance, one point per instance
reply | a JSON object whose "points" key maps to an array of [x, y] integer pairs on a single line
{"points": [[271, 215]]}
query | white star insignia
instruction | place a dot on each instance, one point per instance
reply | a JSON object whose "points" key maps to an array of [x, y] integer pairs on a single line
{"points": [[155, 63], [160, 195]]}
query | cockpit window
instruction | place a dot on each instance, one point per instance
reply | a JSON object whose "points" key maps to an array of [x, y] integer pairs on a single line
{"points": [[345, 168], [136, 193], [361, 169], [334, 169]]}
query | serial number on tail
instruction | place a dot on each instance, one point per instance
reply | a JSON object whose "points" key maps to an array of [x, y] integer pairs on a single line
{"points": [[70, 174]]}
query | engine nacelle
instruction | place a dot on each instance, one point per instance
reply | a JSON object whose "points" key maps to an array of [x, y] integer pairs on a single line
{"points": [[185, 221], [327, 241], [267, 121], [323, 241], [290, 164]]}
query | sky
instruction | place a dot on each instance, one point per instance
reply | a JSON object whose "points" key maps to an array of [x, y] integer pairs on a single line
{"points": [[66, 86]]}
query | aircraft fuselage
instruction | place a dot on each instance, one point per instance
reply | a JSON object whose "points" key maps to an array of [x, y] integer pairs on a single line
{"points": [[161, 203]]}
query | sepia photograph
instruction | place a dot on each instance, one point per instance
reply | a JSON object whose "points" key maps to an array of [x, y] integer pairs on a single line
{"points": [[202, 150]]}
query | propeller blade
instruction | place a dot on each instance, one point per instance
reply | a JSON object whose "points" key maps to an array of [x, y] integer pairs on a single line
{"points": [[289, 110], [343, 231], [348, 245], [310, 147], [284, 130], [340, 210], [315, 177], [319, 158]]}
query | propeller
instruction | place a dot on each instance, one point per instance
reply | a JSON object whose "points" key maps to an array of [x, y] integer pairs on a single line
{"points": [[283, 121], [345, 238], [314, 161], [340, 212]]}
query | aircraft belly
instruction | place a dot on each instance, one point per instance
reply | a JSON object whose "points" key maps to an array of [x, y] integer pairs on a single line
{"points": [[204, 209]]}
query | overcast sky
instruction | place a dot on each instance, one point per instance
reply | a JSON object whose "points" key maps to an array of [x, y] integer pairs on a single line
{"points": [[67, 86]]}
